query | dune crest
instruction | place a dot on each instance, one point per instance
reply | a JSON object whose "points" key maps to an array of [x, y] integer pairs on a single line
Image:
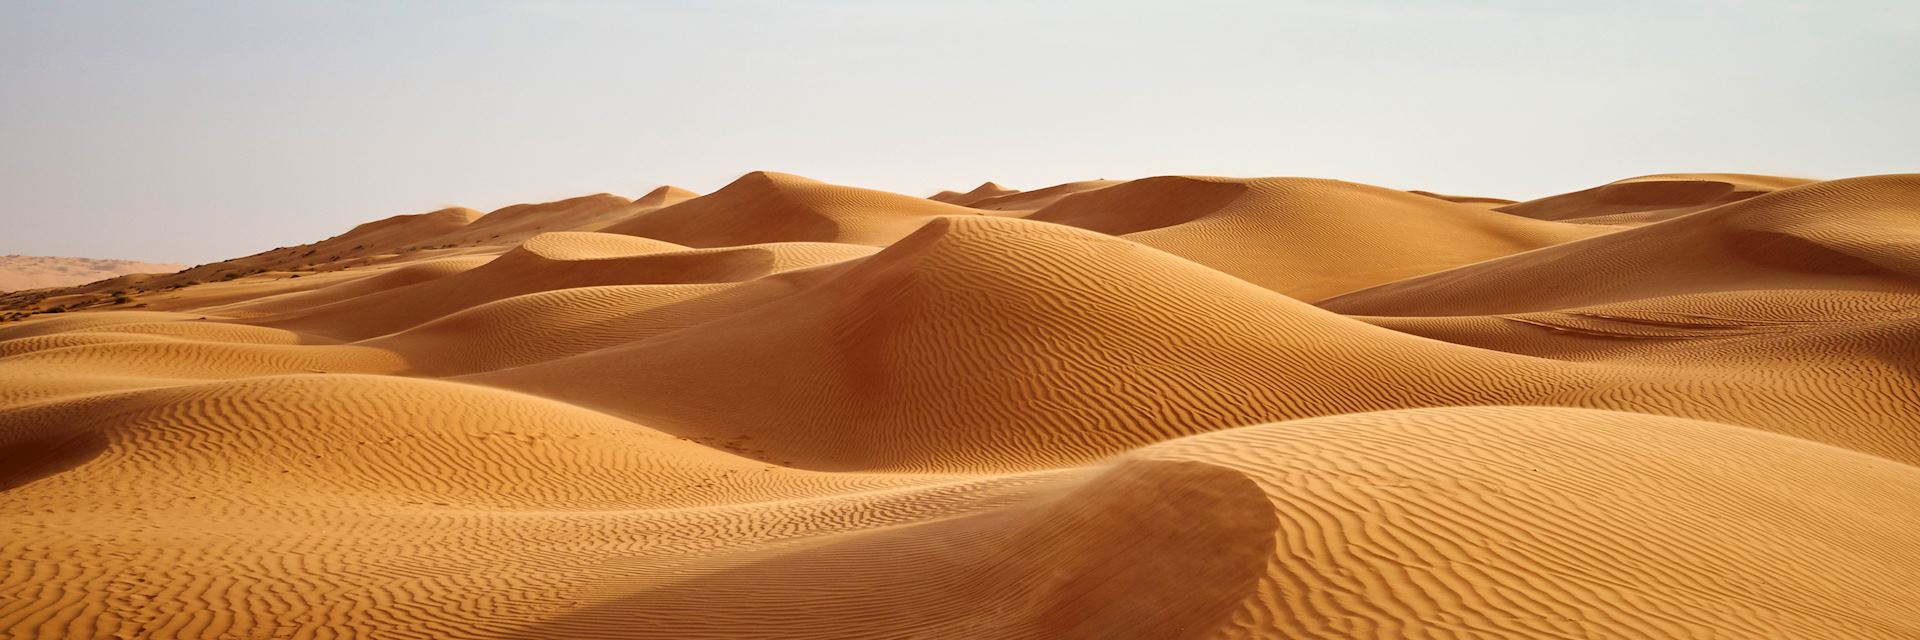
{"points": [[44, 272], [1672, 406], [986, 190], [1307, 238], [1651, 198], [763, 207], [1847, 234]]}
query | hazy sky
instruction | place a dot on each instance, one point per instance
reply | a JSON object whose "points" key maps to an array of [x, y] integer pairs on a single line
{"points": [[192, 132]]}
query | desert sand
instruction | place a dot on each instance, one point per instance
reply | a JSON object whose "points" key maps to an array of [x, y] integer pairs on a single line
{"points": [[19, 273], [1671, 406]]}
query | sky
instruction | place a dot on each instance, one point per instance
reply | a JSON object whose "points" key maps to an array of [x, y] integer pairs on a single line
{"points": [[197, 131]]}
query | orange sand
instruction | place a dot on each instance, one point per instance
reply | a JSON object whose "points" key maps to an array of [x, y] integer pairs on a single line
{"points": [[19, 273], [1674, 406]]}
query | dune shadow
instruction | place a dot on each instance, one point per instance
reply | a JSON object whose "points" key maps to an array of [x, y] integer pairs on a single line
{"points": [[1149, 548], [35, 457]]}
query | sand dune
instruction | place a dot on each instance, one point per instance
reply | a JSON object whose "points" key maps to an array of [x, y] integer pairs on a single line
{"points": [[764, 207], [665, 195], [1675, 406], [945, 350], [392, 233], [560, 260], [41, 272], [515, 223], [1305, 238], [1651, 198], [1038, 198], [984, 191], [1482, 201], [511, 225], [453, 232], [1838, 235], [1404, 524], [1661, 326]]}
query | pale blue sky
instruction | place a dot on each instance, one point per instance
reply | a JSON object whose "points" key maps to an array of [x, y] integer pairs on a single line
{"points": [[196, 131]]}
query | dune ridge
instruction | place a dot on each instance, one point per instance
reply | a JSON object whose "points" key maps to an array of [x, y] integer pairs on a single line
{"points": [[1651, 198], [1306, 238], [1847, 234], [986, 190], [763, 207], [1678, 405], [19, 272]]}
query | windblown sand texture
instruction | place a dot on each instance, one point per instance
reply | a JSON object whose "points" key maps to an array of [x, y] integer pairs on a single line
{"points": [[1673, 406]]}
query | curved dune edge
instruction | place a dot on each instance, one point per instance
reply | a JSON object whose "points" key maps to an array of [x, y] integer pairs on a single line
{"points": [[1852, 234], [1651, 198], [1679, 405], [1306, 238], [1407, 522]]}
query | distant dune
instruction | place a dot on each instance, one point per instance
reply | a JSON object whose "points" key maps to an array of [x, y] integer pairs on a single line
{"points": [[40, 272], [1671, 406]]}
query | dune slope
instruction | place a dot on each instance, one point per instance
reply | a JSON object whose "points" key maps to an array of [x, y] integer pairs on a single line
{"points": [[1675, 406], [42, 272], [1842, 235], [764, 207], [1306, 238]]}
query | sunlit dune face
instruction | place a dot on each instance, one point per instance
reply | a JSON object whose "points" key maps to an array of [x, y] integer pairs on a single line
{"points": [[1672, 406]]}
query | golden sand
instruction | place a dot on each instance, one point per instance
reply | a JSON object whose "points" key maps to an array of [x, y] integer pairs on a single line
{"points": [[1673, 406]]}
